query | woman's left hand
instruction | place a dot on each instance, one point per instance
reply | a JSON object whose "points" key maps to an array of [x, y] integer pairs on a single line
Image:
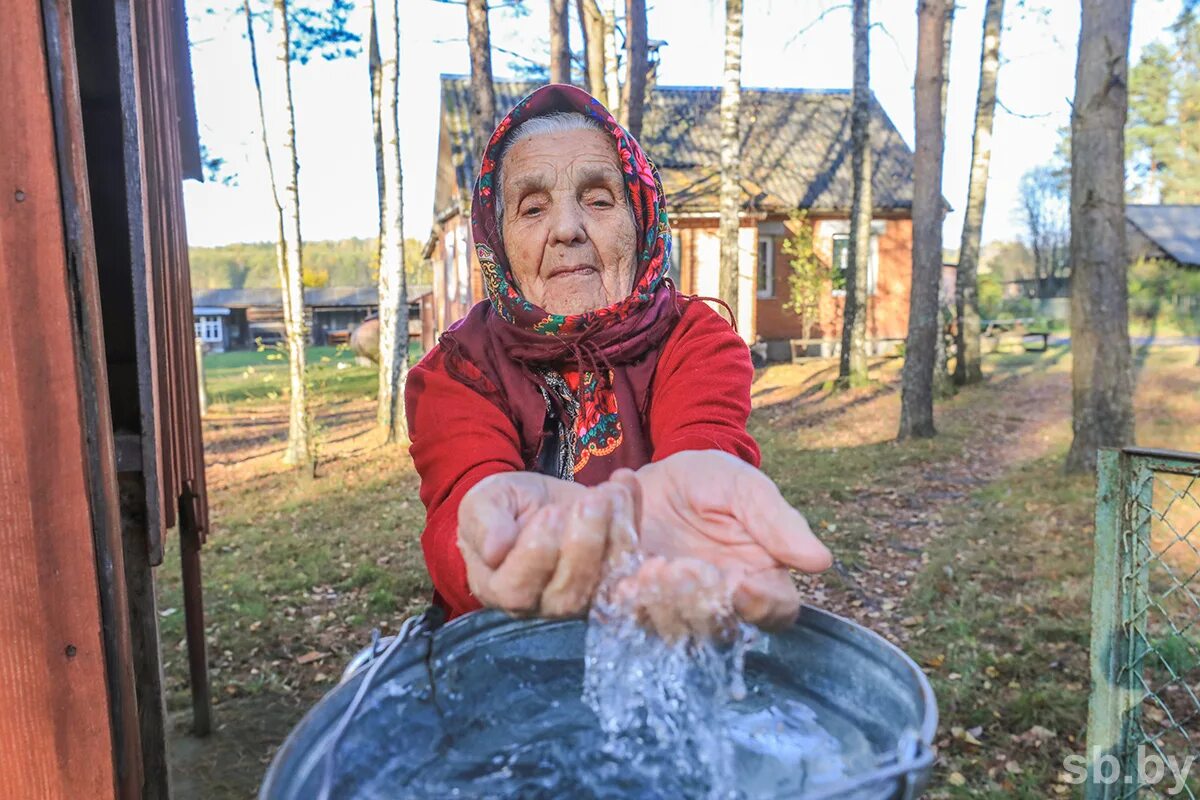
{"points": [[710, 523]]}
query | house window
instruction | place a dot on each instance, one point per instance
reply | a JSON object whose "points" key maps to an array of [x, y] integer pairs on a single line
{"points": [[676, 258], [208, 329], [841, 263], [765, 280]]}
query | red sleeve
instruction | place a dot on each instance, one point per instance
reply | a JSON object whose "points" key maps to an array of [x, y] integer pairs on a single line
{"points": [[700, 395], [458, 438]]}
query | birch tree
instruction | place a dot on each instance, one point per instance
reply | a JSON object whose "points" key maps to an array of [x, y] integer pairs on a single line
{"points": [[393, 288], [966, 286], [279, 139], [730, 200], [916, 398], [1101, 364], [852, 370], [591, 22], [483, 92], [633, 93], [560, 43], [612, 78]]}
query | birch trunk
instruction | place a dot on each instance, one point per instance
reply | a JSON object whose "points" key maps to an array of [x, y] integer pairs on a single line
{"points": [[280, 126], [299, 450], [560, 43], [393, 287], [731, 96], [1101, 371], [591, 22], [852, 370], [633, 93], [483, 92], [612, 79], [943, 383], [916, 398], [967, 368]]}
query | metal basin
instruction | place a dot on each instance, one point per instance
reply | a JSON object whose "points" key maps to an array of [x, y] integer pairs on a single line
{"points": [[877, 701]]}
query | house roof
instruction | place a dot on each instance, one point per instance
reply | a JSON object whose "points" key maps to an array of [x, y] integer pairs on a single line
{"points": [[325, 297], [795, 148], [1175, 229]]}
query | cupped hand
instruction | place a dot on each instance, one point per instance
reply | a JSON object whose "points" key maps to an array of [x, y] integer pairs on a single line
{"points": [[710, 508], [537, 546]]}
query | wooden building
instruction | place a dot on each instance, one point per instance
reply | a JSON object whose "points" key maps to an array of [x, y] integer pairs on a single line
{"points": [[795, 158], [100, 448]]}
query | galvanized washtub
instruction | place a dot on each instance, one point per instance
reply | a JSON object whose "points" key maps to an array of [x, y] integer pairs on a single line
{"points": [[875, 695]]}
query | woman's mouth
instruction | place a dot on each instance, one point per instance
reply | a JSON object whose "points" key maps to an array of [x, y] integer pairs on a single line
{"points": [[571, 269]]}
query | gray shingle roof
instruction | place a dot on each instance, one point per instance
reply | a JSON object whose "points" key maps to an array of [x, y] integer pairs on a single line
{"points": [[1174, 229], [329, 296], [795, 147]]}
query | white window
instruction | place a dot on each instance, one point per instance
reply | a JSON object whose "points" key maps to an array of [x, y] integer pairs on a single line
{"points": [[841, 263], [765, 280], [208, 329]]}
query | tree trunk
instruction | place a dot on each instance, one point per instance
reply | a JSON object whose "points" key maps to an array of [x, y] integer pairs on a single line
{"points": [[1101, 374], [853, 368], [612, 78], [591, 22], [731, 194], [393, 287], [299, 451], [633, 93], [483, 92], [943, 381], [967, 367], [375, 70], [916, 398], [560, 43], [280, 125]]}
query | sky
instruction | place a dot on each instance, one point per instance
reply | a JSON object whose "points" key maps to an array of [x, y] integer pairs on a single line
{"points": [[787, 43]]}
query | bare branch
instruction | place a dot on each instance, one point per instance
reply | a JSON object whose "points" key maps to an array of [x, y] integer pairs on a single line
{"points": [[1012, 113], [816, 22]]}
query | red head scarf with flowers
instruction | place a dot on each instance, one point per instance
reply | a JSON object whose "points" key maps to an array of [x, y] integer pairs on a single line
{"points": [[505, 346]]}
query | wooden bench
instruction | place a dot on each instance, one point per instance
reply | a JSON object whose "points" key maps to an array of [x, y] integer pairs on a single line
{"points": [[1014, 331]]}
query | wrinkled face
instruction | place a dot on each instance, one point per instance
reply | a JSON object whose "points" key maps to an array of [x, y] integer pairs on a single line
{"points": [[568, 228]]}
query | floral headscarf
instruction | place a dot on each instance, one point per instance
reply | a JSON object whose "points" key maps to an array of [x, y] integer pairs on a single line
{"points": [[522, 357]]}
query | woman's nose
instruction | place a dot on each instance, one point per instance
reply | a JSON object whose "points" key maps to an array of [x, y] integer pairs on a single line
{"points": [[566, 223]]}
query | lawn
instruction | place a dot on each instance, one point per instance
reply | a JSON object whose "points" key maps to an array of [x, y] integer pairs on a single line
{"points": [[971, 550]]}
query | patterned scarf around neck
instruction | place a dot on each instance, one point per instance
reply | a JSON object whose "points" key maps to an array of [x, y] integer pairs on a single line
{"points": [[514, 352]]}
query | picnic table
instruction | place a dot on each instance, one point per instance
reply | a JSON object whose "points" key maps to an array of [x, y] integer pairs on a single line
{"points": [[1017, 330]]}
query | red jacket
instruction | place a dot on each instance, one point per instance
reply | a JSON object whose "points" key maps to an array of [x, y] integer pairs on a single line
{"points": [[699, 400]]}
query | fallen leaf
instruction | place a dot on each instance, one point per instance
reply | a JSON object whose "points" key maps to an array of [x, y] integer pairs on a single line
{"points": [[957, 779], [310, 657]]}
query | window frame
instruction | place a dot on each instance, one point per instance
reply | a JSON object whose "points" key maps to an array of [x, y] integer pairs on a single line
{"points": [[769, 292]]}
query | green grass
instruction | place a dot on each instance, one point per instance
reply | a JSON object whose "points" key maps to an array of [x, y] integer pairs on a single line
{"points": [[261, 376]]}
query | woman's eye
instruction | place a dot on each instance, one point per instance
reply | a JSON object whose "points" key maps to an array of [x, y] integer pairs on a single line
{"points": [[532, 211]]}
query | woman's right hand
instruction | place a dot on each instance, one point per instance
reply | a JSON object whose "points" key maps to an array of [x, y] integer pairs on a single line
{"points": [[536, 545]]}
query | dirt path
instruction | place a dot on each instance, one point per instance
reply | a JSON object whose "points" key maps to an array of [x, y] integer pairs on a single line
{"points": [[1009, 422]]}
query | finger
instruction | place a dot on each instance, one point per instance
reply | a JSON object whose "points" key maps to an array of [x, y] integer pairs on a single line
{"points": [[654, 611], [628, 479], [622, 528], [704, 607], [489, 514], [479, 575], [780, 529], [580, 559], [768, 599], [518, 583]]}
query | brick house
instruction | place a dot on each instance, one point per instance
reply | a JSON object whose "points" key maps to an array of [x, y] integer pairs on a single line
{"points": [[796, 156]]}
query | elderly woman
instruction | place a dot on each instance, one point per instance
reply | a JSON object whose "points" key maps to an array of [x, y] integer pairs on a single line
{"points": [[586, 407]]}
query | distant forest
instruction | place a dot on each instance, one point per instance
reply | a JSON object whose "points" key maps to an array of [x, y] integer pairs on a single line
{"points": [[344, 262]]}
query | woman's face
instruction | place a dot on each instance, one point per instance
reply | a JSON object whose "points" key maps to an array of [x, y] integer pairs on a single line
{"points": [[568, 229]]}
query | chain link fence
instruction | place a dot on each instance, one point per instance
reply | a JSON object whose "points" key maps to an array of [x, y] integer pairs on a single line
{"points": [[1144, 711]]}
